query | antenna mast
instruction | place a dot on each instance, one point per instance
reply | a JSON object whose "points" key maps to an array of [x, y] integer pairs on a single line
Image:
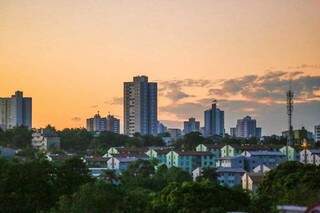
{"points": [[290, 96]]}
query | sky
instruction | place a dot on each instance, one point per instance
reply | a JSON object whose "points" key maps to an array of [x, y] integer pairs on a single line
{"points": [[73, 56]]}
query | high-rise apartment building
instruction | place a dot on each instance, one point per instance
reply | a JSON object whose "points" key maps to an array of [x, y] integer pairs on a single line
{"points": [[317, 133], [191, 126], [140, 107], [102, 124], [15, 111], [246, 128], [214, 121]]}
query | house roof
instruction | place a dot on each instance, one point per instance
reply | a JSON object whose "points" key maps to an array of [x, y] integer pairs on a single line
{"points": [[262, 153], [229, 169], [193, 153]]}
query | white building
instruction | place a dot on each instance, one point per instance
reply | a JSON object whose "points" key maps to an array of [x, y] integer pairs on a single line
{"points": [[140, 107], [15, 111], [310, 156], [251, 181], [44, 140], [120, 164]]}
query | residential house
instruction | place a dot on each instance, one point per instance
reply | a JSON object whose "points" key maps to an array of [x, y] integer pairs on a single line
{"points": [[269, 158], [310, 156], [230, 177], [190, 160], [231, 162]]}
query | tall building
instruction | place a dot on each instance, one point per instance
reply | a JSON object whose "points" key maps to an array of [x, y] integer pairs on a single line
{"points": [[102, 124], [112, 124], [317, 133], [191, 126], [140, 107], [15, 111], [214, 121], [246, 128]]}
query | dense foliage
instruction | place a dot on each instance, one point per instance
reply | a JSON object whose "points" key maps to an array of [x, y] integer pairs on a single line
{"points": [[290, 183]]}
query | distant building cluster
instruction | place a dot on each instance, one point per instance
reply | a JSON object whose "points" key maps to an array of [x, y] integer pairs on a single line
{"points": [[15, 111], [102, 124], [246, 128]]}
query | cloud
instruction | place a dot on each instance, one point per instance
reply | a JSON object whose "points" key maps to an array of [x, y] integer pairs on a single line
{"points": [[94, 106], [305, 66], [174, 89], [76, 119], [271, 87], [115, 101]]}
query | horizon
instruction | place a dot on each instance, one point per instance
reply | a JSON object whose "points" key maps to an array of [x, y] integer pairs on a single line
{"points": [[73, 57]]}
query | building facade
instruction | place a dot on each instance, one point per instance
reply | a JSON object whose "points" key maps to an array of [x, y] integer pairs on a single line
{"points": [[214, 121], [246, 128], [140, 107], [15, 111], [191, 126], [317, 133]]}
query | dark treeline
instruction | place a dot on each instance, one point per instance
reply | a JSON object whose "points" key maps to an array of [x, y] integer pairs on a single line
{"points": [[79, 140], [42, 186]]}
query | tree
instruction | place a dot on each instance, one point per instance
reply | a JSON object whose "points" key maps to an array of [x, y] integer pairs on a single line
{"points": [[138, 174], [209, 174], [75, 139], [290, 183], [71, 174], [199, 197], [27, 186], [17, 137], [92, 197], [190, 141]]}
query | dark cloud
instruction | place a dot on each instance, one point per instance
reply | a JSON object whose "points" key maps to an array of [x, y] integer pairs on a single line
{"points": [[76, 119], [271, 86]]}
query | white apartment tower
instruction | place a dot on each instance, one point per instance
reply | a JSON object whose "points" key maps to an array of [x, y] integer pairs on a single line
{"points": [[140, 107]]}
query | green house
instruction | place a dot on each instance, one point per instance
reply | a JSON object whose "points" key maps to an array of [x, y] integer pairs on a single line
{"points": [[159, 154], [289, 152], [190, 160], [229, 151]]}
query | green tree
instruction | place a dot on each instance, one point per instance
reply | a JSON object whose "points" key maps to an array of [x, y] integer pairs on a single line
{"points": [[93, 197], [71, 174]]}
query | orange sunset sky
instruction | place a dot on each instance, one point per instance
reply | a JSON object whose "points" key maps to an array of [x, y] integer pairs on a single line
{"points": [[72, 57]]}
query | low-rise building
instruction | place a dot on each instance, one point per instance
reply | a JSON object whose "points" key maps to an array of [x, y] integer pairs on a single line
{"points": [[96, 165], [159, 154], [188, 161], [269, 158], [310, 156], [231, 162], [45, 140], [290, 153], [120, 164], [230, 177]]}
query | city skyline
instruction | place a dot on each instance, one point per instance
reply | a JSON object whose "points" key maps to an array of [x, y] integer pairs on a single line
{"points": [[72, 58]]}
